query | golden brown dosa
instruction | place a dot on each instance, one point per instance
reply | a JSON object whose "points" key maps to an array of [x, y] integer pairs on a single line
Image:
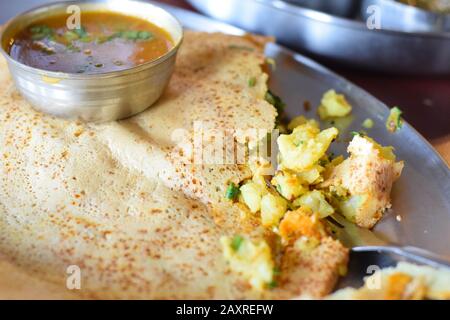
{"points": [[115, 200]]}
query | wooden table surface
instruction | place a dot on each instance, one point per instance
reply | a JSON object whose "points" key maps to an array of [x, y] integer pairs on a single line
{"points": [[425, 101]]}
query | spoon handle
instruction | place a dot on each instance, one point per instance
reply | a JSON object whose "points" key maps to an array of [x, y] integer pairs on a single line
{"points": [[409, 253]]}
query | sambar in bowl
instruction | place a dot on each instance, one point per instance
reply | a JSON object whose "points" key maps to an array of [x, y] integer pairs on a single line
{"points": [[92, 60]]}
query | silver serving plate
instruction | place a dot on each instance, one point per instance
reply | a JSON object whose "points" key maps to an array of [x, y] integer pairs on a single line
{"points": [[421, 198], [345, 41]]}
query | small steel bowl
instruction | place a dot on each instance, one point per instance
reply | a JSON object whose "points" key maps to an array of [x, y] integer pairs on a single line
{"points": [[402, 17], [95, 97]]}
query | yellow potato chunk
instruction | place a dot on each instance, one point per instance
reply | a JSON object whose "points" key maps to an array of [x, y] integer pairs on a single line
{"points": [[273, 209], [297, 121], [368, 123], [252, 259], [312, 175], [305, 244], [252, 194], [302, 149], [329, 167], [315, 201], [342, 123], [289, 185], [367, 177], [261, 167], [350, 208], [406, 281], [384, 152], [333, 105]]}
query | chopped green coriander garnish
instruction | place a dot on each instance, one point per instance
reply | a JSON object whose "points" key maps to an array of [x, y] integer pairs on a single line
{"points": [[236, 242], [278, 187], [252, 82], [42, 32], [276, 271], [275, 101], [144, 35], [134, 35], [81, 32], [70, 35], [358, 133], [73, 48], [272, 284], [130, 34], [232, 191]]}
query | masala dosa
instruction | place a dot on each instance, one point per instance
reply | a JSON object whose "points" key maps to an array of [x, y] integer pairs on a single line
{"points": [[117, 201]]}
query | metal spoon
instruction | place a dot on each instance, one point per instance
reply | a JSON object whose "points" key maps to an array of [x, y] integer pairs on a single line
{"points": [[361, 240]]}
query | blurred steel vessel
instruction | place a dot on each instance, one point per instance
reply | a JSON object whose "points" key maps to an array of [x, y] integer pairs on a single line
{"points": [[402, 17], [346, 41]]}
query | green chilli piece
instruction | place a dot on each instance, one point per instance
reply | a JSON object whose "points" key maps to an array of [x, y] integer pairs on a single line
{"points": [[252, 82], [394, 121], [232, 191], [236, 242]]}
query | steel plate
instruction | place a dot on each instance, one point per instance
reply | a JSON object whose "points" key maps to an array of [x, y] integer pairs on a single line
{"points": [[345, 41], [421, 197]]}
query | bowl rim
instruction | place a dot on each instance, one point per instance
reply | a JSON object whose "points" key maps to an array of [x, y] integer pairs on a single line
{"points": [[67, 75]]}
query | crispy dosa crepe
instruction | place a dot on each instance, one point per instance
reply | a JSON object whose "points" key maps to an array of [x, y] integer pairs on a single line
{"points": [[123, 203]]}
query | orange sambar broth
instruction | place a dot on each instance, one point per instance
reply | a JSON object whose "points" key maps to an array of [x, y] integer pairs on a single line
{"points": [[107, 42]]}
